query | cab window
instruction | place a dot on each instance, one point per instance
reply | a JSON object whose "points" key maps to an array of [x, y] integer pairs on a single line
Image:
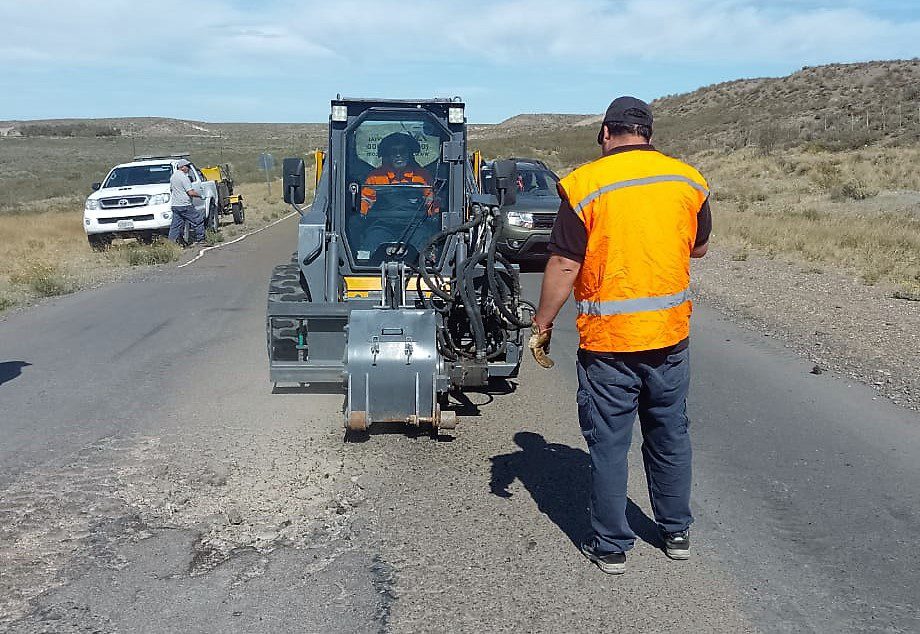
{"points": [[397, 186]]}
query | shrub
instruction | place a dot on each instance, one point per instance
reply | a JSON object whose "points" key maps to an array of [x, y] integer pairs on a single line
{"points": [[213, 237], [44, 279], [159, 252], [852, 190], [908, 292], [826, 175]]}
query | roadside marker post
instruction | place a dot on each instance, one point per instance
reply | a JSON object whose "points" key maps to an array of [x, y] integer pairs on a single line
{"points": [[266, 163]]}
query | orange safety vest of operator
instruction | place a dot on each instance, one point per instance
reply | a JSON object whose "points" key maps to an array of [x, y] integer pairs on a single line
{"points": [[640, 212], [392, 176]]}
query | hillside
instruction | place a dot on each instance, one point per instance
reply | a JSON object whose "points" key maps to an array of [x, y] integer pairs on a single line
{"points": [[839, 106], [159, 127], [834, 107]]}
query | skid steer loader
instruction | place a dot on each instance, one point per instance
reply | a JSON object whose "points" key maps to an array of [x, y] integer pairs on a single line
{"points": [[396, 295]]}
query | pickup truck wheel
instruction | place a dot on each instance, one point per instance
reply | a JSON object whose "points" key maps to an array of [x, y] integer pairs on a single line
{"points": [[213, 218], [239, 214], [99, 241]]}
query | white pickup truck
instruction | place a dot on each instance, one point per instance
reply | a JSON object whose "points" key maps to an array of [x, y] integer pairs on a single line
{"points": [[133, 201]]}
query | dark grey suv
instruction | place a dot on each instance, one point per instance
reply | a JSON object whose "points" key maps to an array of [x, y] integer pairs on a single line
{"points": [[529, 221]]}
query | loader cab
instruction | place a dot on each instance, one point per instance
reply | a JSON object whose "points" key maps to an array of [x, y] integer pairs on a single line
{"points": [[402, 169]]}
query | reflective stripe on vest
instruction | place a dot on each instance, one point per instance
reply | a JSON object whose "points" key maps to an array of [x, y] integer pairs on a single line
{"points": [[636, 305], [648, 180]]}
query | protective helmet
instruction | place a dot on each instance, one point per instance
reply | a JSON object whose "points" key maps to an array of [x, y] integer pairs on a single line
{"points": [[385, 147]]}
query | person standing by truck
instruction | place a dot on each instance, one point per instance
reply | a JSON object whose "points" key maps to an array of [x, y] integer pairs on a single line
{"points": [[627, 227], [181, 194]]}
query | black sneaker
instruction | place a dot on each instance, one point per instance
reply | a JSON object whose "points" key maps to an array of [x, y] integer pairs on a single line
{"points": [[677, 544], [612, 564]]}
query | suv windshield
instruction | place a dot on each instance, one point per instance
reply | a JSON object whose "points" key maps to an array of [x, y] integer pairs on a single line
{"points": [[535, 182], [139, 175], [397, 186]]}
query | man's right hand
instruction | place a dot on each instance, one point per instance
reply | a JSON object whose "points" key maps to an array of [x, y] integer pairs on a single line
{"points": [[539, 344]]}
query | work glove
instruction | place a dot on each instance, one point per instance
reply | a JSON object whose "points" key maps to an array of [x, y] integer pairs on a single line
{"points": [[539, 345]]}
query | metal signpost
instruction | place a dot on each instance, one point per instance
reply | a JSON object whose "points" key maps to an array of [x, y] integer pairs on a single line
{"points": [[266, 163]]}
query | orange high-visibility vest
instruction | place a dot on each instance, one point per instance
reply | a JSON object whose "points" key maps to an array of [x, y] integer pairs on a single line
{"points": [[640, 212], [384, 176]]}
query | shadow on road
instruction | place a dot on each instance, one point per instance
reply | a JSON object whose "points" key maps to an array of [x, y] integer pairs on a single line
{"points": [[9, 370], [471, 401], [558, 477]]}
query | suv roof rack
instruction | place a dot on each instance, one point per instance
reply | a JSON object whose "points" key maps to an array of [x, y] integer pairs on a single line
{"points": [[150, 157]]}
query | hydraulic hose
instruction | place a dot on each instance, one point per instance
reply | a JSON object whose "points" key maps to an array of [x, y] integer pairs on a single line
{"points": [[467, 289], [441, 235], [494, 288]]}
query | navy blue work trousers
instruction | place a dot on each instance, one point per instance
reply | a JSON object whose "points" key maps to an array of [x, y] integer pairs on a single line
{"points": [[194, 218], [612, 390]]}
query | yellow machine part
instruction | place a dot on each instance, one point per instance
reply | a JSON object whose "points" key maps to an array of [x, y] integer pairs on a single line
{"points": [[477, 166], [212, 173], [318, 157], [359, 286]]}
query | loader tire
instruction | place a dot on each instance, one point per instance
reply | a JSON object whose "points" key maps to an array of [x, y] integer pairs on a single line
{"points": [[286, 285]]}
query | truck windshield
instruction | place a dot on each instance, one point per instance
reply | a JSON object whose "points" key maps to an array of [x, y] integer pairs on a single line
{"points": [[397, 185], [139, 175]]}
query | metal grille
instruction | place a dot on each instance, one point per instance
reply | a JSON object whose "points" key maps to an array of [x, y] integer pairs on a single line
{"points": [[111, 221], [116, 203], [544, 221]]}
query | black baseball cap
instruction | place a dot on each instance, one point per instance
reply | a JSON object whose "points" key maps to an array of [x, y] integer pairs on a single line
{"points": [[626, 110]]}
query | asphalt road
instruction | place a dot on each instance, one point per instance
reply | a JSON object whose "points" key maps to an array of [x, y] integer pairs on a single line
{"points": [[151, 480]]}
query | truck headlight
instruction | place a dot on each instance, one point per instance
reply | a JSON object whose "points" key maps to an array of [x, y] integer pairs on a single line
{"points": [[159, 199], [91, 204], [520, 219]]}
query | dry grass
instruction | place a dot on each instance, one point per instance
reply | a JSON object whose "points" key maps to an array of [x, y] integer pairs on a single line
{"points": [[858, 211], [44, 252]]}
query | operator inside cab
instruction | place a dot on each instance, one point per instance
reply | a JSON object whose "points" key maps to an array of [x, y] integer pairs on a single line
{"points": [[399, 167], [398, 201]]}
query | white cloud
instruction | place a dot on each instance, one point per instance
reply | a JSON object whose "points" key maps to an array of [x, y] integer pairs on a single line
{"points": [[511, 55], [380, 36]]}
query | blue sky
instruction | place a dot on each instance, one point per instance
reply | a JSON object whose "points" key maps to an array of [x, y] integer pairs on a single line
{"points": [[283, 60]]}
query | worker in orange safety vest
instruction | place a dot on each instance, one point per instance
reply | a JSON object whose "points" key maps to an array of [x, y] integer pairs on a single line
{"points": [[628, 224]]}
